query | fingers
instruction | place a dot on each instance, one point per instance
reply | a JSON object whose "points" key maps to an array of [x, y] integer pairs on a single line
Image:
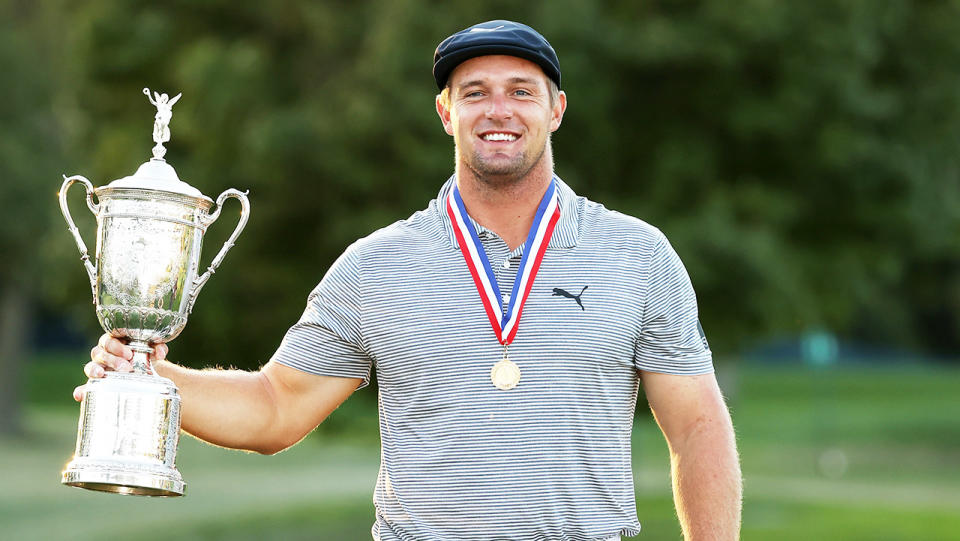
{"points": [[112, 354], [115, 347], [105, 360], [94, 370], [109, 354]]}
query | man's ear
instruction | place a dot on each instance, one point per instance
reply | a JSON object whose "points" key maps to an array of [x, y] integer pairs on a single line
{"points": [[556, 115], [444, 113]]}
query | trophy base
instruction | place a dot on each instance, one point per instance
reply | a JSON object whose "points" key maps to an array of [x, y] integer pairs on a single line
{"points": [[127, 437], [124, 482]]}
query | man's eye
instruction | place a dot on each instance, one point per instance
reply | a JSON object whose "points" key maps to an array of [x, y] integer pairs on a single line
{"points": [[474, 94], [522, 93]]}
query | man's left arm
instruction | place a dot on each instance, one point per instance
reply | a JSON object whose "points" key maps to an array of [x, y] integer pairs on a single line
{"points": [[705, 468]]}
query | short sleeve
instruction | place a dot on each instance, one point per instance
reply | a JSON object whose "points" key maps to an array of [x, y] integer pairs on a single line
{"points": [[328, 338], [671, 340]]}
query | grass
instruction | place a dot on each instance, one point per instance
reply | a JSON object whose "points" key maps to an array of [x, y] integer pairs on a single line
{"points": [[841, 453]]}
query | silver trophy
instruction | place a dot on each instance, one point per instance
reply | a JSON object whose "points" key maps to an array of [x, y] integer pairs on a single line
{"points": [[150, 228]]}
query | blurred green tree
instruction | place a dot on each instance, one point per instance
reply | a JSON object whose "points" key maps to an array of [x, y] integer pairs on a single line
{"points": [[30, 145], [801, 157]]}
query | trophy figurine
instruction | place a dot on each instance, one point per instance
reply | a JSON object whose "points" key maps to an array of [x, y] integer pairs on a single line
{"points": [[150, 228]]}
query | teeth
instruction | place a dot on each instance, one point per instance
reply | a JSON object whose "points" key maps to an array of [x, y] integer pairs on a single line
{"points": [[499, 137]]}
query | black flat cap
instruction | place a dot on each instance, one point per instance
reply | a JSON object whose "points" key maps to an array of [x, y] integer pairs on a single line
{"points": [[494, 37]]}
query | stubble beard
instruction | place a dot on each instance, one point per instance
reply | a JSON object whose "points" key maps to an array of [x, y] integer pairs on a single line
{"points": [[501, 173]]}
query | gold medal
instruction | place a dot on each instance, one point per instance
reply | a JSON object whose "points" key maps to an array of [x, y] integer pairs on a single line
{"points": [[505, 375]]}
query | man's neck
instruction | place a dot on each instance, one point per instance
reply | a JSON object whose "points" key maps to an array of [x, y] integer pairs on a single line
{"points": [[506, 208]]}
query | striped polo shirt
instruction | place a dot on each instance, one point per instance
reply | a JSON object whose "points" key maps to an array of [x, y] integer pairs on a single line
{"points": [[461, 459]]}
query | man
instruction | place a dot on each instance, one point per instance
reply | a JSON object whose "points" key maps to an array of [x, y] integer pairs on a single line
{"points": [[519, 433]]}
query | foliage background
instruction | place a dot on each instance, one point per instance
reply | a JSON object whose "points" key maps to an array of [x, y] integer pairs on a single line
{"points": [[801, 156]]}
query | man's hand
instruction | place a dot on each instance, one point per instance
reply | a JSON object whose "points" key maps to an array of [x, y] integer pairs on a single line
{"points": [[264, 411], [112, 354]]}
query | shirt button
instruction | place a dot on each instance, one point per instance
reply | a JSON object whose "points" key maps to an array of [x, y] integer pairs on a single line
{"points": [[506, 263], [506, 298]]}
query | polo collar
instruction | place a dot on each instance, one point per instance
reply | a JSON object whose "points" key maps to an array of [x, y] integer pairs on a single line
{"points": [[564, 236]]}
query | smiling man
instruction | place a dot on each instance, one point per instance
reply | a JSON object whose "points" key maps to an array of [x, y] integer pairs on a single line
{"points": [[506, 399], [505, 110]]}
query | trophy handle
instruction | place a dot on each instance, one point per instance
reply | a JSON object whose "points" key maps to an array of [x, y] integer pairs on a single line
{"points": [[94, 208], [209, 219]]}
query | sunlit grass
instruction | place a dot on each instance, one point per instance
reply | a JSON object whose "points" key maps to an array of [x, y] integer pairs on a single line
{"points": [[890, 438]]}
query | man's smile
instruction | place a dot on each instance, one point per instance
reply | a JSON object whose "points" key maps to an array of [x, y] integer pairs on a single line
{"points": [[498, 136]]}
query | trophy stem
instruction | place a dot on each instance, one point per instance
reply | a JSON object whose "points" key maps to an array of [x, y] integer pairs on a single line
{"points": [[141, 357]]}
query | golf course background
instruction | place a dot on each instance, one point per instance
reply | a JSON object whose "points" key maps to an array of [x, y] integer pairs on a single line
{"points": [[848, 453], [803, 158]]}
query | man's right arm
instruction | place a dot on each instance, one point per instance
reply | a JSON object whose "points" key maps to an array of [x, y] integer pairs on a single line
{"points": [[265, 411]]}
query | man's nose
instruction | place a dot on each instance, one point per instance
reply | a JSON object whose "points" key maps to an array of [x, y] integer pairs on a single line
{"points": [[499, 108]]}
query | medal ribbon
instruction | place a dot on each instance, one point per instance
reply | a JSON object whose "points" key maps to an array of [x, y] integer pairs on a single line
{"points": [[505, 324]]}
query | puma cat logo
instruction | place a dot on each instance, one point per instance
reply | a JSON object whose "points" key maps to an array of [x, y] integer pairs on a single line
{"points": [[557, 292]]}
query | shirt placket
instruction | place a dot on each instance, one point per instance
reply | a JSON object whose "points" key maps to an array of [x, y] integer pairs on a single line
{"points": [[503, 262]]}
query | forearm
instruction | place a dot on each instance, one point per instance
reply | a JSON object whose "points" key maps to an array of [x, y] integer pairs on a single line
{"points": [[229, 408], [265, 411], [707, 485]]}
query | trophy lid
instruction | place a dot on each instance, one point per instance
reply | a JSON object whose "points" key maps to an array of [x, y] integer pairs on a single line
{"points": [[157, 174]]}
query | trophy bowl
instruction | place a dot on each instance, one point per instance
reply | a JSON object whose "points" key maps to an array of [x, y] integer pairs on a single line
{"points": [[145, 282]]}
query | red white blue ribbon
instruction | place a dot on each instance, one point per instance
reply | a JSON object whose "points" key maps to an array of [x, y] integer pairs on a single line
{"points": [[505, 324]]}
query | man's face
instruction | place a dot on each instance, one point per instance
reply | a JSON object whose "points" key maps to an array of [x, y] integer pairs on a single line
{"points": [[500, 116]]}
